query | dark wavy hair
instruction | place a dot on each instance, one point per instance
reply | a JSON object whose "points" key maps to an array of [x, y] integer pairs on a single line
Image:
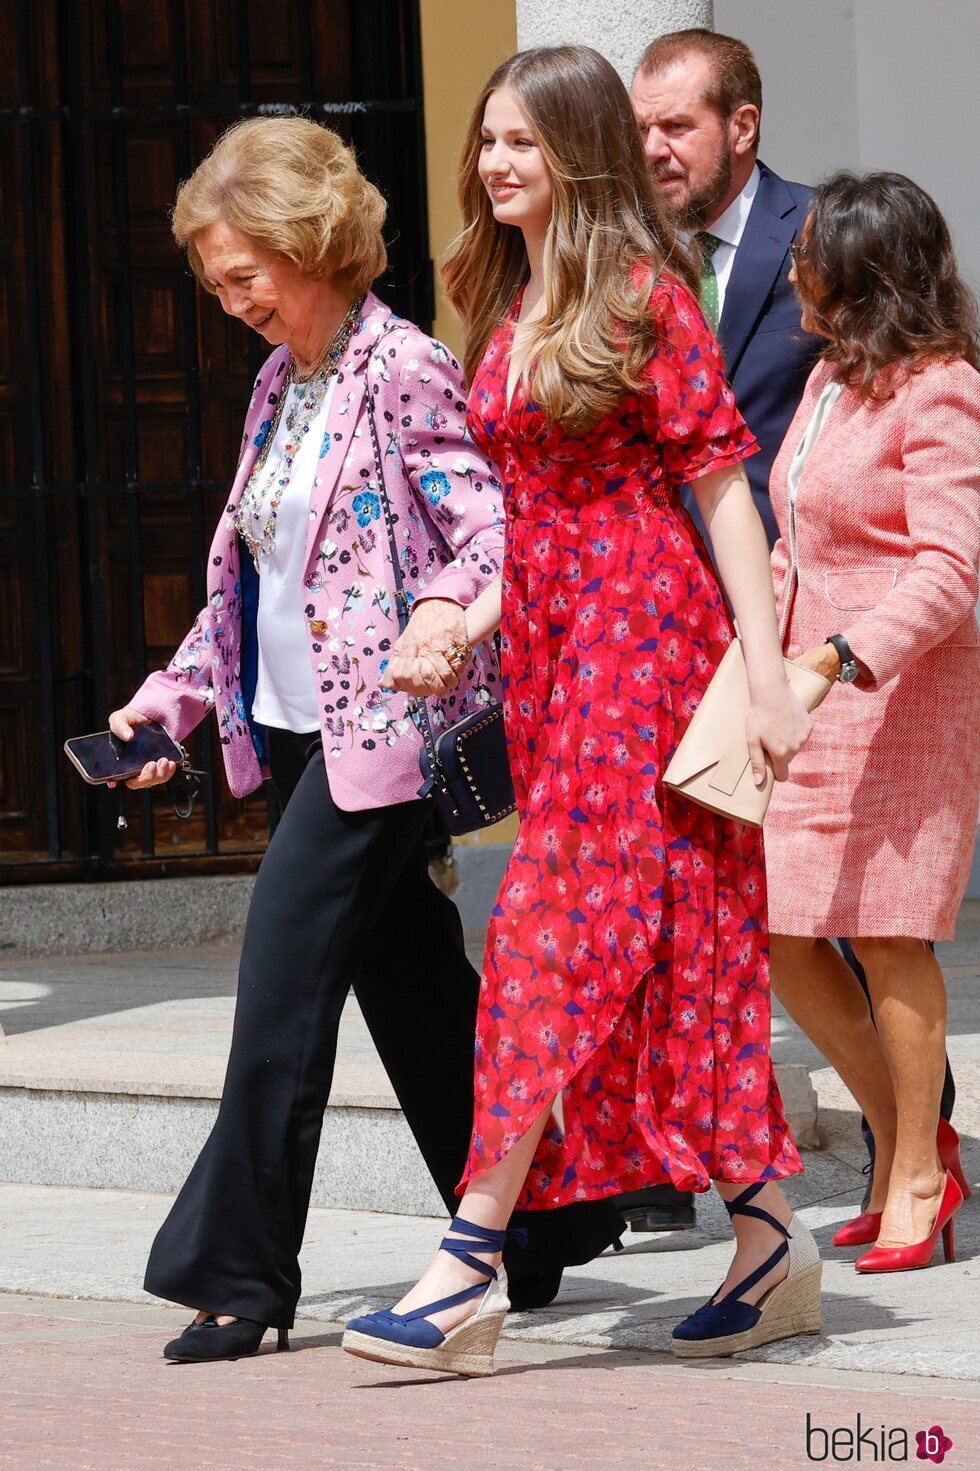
{"points": [[878, 276]]}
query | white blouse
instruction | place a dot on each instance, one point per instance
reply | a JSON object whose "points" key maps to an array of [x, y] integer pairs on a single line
{"points": [[285, 695]]}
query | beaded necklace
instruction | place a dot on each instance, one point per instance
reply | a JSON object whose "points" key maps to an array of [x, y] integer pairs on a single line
{"points": [[255, 520]]}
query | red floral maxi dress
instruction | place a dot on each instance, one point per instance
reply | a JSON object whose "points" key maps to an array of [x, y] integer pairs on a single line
{"points": [[626, 967]]}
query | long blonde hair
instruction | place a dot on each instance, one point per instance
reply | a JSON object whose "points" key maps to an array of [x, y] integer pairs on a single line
{"points": [[597, 334]]}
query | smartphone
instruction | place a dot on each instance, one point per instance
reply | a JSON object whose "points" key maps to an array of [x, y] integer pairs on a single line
{"points": [[103, 757]]}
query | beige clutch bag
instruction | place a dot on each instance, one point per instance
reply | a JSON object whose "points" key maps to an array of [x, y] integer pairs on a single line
{"points": [[711, 764]]}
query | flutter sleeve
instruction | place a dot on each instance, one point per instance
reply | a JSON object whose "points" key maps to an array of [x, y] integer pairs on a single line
{"points": [[689, 407]]}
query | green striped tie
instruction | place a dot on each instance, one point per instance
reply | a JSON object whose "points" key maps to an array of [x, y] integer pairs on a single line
{"points": [[708, 244]]}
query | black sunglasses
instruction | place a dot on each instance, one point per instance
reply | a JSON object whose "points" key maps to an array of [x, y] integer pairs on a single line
{"points": [[798, 252]]}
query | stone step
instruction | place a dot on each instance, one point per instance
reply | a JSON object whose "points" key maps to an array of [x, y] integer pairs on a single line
{"points": [[137, 1141], [113, 1069], [115, 1061], [111, 1136], [121, 1089], [77, 919]]}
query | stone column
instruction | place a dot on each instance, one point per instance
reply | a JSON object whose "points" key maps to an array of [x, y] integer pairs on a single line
{"points": [[620, 29]]}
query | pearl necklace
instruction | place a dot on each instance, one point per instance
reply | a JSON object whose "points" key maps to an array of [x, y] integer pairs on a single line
{"points": [[255, 520]]}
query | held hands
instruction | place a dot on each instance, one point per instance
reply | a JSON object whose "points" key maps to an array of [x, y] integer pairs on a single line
{"points": [[777, 725], [419, 665], [154, 773]]}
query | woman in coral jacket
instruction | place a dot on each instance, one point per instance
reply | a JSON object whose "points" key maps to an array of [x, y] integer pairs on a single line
{"points": [[877, 494], [290, 650]]}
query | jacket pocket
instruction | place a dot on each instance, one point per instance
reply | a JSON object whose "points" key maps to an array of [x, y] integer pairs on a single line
{"points": [[856, 589]]}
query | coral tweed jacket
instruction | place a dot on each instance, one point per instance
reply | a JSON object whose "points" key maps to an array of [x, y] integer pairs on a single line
{"points": [[873, 834]]}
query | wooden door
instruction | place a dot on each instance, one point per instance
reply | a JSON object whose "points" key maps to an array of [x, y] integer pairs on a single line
{"points": [[122, 388]]}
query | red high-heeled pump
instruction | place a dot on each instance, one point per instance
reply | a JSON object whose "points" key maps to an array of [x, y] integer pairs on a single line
{"points": [[948, 1144], [863, 1230], [920, 1253]]}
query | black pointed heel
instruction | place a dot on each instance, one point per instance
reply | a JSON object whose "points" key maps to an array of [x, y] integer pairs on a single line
{"points": [[208, 1341]]}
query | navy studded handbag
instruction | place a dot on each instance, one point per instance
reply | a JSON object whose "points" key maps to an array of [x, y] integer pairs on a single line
{"points": [[465, 770]]}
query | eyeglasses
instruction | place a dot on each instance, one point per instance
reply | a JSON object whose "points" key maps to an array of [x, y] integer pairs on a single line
{"points": [[798, 252]]}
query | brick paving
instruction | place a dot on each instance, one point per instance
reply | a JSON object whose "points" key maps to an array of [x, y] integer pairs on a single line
{"points": [[83, 1388]]}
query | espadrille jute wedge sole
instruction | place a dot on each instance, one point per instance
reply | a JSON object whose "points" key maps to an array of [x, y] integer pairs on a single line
{"points": [[467, 1350], [791, 1308], [411, 1341]]}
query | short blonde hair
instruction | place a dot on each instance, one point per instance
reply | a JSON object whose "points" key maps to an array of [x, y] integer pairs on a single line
{"points": [[295, 188]]}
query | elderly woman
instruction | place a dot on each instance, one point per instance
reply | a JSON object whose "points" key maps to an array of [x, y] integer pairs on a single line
{"points": [[289, 651], [877, 494]]}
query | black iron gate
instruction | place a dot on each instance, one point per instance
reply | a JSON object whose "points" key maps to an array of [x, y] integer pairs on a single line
{"points": [[121, 393]]}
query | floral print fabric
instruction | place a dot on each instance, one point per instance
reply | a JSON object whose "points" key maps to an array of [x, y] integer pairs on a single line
{"points": [[626, 964], [448, 512]]}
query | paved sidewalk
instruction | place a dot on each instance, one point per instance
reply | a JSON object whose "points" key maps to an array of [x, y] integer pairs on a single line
{"points": [[94, 1243], [84, 1389]]}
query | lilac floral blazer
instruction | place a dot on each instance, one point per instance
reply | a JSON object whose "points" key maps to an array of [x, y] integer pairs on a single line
{"points": [[447, 506]]}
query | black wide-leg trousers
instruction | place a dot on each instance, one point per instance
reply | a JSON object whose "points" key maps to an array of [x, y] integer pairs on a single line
{"points": [[341, 899]]}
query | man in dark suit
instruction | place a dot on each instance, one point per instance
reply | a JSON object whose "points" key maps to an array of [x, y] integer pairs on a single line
{"points": [[698, 100]]}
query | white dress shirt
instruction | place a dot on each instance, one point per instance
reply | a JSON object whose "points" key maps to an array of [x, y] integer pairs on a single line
{"points": [[729, 229]]}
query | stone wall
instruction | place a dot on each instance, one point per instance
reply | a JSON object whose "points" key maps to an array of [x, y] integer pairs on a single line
{"points": [[620, 31]]}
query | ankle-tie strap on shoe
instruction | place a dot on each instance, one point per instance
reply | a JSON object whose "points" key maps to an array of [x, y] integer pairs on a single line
{"points": [[489, 1238], [723, 1316], [740, 1207], [476, 1238], [413, 1329]]}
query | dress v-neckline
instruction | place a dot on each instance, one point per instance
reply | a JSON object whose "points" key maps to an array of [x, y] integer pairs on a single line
{"points": [[510, 394]]}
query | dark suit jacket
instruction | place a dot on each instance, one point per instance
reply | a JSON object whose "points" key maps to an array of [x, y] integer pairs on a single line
{"points": [[767, 353]]}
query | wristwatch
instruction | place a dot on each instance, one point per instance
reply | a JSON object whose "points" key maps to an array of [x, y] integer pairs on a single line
{"points": [[848, 664]]}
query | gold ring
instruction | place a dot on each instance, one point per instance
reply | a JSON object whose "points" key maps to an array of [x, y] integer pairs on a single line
{"points": [[458, 653]]}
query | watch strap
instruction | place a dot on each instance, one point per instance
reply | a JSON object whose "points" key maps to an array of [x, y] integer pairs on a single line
{"points": [[848, 663]]}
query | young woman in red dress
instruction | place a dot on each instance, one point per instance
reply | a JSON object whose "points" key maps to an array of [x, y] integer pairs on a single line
{"points": [[623, 1034]]}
